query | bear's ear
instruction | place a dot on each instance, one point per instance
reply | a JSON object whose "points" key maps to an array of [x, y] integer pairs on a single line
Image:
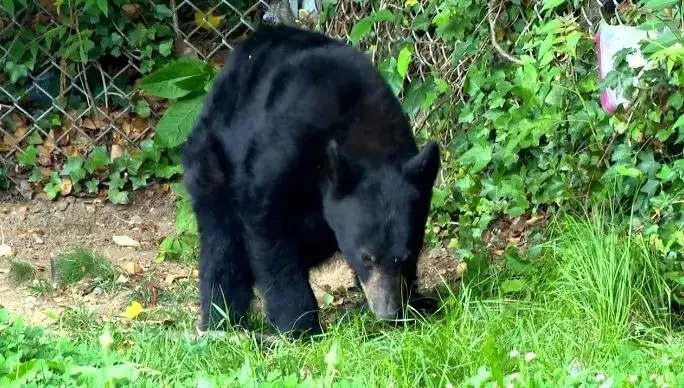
{"points": [[422, 169], [342, 173]]}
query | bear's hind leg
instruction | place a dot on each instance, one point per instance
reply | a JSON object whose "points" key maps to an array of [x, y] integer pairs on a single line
{"points": [[226, 280]]}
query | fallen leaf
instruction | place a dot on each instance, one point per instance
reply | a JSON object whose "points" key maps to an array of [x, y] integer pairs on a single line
{"points": [[131, 10], [122, 279], [5, 250], [66, 186], [125, 241], [461, 268], [133, 310], [207, 20], [169, 279], [37, 239], [116, 152], [133, 269]]}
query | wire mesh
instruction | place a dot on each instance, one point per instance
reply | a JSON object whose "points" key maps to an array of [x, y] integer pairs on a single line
{"points": [[65, 87]]}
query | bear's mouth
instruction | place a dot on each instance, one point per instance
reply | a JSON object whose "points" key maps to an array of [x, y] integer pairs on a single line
{"points": [[382, 292]]}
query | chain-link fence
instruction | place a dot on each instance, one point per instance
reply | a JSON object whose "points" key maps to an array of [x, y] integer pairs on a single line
{"points": [[69, 69]]}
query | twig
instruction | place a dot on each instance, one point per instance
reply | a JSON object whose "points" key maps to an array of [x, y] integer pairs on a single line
{"points": [[491, 17]]}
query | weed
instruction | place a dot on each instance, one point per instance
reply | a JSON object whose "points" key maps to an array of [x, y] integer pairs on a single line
{"points": [[21, 272], [81, 263]]}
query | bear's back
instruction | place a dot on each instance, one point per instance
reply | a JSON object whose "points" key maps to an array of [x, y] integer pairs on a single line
{"points": [[283, 95]]}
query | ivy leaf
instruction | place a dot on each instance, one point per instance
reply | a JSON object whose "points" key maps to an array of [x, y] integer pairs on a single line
{"points": [[117, 196], [477, 157], [178, 121], [98, 158], [29, 157], [649, 188], [361, 29], [178, 78], [142, 109], [74, 169], [53, 187], [91, 185], [628, 171], [150, 150]]}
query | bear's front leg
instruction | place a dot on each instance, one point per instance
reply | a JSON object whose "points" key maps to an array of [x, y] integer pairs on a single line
{"points": [[283, 279]]}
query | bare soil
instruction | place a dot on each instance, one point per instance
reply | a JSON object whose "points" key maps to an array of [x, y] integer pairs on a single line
{"points": [[38, 230]]}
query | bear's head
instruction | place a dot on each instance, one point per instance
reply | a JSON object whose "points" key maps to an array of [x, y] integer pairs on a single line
{"points": [[378, 214]]}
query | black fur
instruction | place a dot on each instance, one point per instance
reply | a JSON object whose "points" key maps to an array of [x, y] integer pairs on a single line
{"points": [[301, 150]]}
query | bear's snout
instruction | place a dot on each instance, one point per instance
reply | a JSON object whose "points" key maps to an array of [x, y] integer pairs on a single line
{"points": [[382, 293]]}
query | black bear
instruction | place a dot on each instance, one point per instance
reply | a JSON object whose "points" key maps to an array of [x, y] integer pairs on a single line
{"points": [[302, 150]]}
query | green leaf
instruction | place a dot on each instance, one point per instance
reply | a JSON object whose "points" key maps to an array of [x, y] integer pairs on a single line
{"points": [[650, 187], [178, 78], [9, 6], [102, 5], [150, 150], [98, 158], [74, 169], [92, 185], [142, 109], [178, 121], [404, 60], [477, 157], [514, 285], [29, 157], [657, 5], [117, 197], [628, 171], [383, 15], [551, 4], [665, 40], [361, 29]]}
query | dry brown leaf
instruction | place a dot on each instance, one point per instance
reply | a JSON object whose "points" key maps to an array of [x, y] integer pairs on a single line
{"points": [[66, 186], [169, 279], [461, 268], [44, 156], [125, 241], [116, 152], [131, 10], [87, 123], [133, 269]]}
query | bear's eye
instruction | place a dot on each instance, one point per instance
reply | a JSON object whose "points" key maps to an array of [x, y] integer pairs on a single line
{"points": [[401, 259], [367, 258]]}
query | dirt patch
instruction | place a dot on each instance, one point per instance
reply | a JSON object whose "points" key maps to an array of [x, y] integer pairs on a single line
{"points": [[38, 230]]}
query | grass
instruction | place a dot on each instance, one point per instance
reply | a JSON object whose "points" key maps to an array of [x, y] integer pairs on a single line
{"points": [[21, 272], [594, 310], [81, 263]]}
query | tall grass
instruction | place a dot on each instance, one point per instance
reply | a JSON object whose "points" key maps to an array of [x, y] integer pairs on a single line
{"points": [[598, 311], [606, 275]]}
